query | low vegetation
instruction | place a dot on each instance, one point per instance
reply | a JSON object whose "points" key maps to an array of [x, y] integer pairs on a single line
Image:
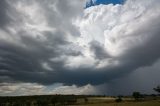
{"points": [[79, 100], [137, 99]]}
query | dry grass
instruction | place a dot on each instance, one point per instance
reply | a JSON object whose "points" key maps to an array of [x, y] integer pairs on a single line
{"points": [[146, 103], [111, 102]]}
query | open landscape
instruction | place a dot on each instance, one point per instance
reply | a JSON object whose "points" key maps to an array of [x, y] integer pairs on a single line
{"points": [[79, 100]]}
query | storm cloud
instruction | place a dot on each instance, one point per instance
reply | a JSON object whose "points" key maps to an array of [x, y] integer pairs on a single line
{"points": [[61, 41]]}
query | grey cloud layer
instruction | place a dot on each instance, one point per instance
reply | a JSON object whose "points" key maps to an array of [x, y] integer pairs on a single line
{"points": [[25, 49], [57, 41]]}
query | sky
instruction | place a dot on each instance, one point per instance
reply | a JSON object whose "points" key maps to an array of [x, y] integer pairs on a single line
{"points": [[62, 47], [98, 2]]}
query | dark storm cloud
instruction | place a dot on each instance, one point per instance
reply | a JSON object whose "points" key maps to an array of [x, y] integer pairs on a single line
{"points": [[3, 13], [147, 53], [17, 61], [23, 62], [98, 50], [32, 54], [25, 65]]}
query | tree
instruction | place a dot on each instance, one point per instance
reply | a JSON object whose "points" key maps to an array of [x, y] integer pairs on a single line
{"points": [[119, 99], [86, 100], [136, 95], [157, 89]]}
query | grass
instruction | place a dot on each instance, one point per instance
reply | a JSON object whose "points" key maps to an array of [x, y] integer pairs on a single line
{"points": [[80, 100], [145, 103], [96, 101]]}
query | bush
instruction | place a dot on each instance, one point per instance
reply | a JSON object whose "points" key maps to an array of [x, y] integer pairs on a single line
{"points": [[119, 99], [137, 95]]}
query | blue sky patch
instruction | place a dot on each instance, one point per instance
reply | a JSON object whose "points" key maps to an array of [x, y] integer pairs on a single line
{"points": [[97, 2]]}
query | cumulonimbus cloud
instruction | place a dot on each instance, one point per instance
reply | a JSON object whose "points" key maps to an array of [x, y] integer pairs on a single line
{"points": [[60, 41]]}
